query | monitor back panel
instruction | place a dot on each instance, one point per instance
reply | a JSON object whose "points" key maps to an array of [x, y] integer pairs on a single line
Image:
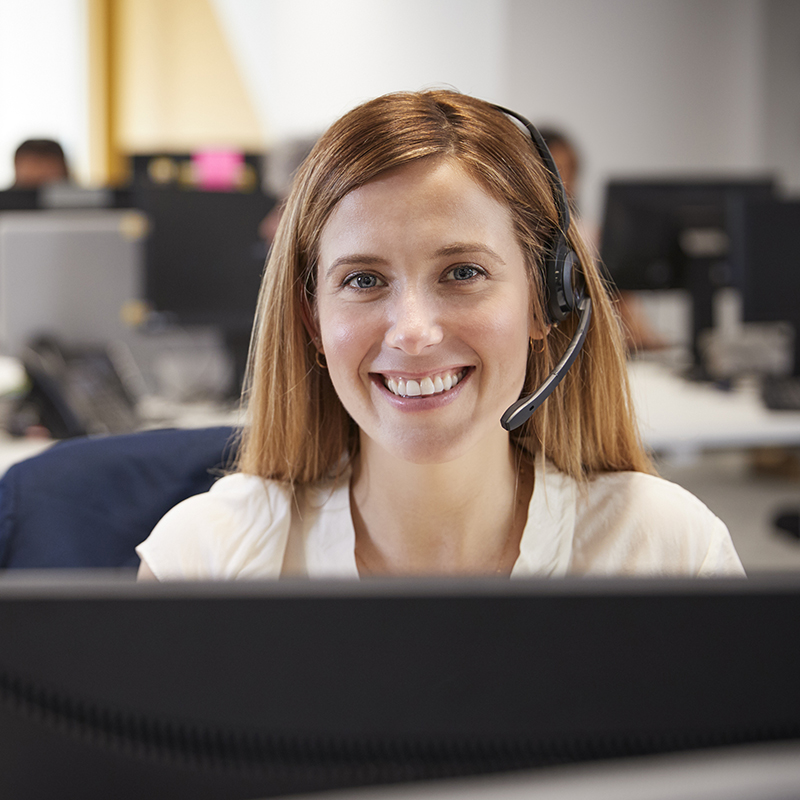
{"points": [[287, 687], [67, 274]]}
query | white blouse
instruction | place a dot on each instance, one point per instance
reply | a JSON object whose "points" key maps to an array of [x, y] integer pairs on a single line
{"points": [[622, 523]]}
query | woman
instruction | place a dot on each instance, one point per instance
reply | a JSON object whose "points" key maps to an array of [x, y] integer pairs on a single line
{"points": [[403, 310]]}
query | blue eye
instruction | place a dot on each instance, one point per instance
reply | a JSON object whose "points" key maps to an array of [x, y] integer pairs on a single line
{"points": [[362, 280], [464, 272]]}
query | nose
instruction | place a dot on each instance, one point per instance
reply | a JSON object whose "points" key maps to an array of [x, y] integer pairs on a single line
{"points": [[415, 323]]}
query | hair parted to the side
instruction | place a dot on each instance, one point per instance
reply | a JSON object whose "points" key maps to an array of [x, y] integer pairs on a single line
{"points": [[297, 429]]}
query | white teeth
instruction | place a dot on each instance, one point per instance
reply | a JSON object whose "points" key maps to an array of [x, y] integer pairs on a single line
{"points": [[408, 387]]}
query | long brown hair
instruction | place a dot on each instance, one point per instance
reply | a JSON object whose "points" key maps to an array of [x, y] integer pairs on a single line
{"points": [[297, 429]]}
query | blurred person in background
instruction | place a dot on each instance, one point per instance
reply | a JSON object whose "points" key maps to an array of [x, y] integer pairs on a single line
{"points": [[38, 162]]}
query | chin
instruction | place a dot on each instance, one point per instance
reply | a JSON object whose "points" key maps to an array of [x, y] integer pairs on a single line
{"points": [[435, 446]]}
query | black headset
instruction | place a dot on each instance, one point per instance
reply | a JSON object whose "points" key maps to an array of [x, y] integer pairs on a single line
{"points": [[563, 283]]}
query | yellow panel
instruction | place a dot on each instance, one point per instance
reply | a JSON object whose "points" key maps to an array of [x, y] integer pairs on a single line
{"points": [[100, 144], [176, 85]]}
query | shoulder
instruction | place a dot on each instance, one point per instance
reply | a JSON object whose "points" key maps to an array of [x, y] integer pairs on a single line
{"points": [[644, 524], [240, 525], [636, 494]]}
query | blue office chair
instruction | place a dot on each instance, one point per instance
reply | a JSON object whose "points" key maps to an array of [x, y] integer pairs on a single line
{"points": [[88, 502]]}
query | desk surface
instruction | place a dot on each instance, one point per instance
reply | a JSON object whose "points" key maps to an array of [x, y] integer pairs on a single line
{"points": [[678, 417], [156, 413], [752, 772]]}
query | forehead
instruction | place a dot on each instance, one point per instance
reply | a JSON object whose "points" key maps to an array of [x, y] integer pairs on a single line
{"points": [[430, 198]]}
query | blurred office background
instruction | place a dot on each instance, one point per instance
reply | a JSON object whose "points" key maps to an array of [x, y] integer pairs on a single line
{"points": [[653, 86], [158, 99]]}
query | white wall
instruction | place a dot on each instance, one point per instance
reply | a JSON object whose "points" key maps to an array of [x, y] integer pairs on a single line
{"points": [[782, 91], [309, 61], [643, 85], [43, 87]]}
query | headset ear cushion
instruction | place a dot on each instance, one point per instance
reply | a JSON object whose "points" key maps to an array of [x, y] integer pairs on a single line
{"points": [[561, 275]]}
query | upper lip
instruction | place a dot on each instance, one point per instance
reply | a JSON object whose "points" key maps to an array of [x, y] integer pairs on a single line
{"points": [[416, 375]]}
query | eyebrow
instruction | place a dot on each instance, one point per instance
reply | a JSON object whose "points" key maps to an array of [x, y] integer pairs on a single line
{"points": [[455, 249], [459, 248]]}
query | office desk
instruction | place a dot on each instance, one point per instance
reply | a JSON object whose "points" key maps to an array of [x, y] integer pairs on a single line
{"points": [[680, 418], [155, 412]]}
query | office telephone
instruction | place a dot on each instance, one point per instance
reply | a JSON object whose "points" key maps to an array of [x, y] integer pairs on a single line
{"points": [[73, 391]]}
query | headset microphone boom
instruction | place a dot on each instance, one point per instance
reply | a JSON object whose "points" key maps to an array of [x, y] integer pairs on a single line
{"points": [[564, 285]]}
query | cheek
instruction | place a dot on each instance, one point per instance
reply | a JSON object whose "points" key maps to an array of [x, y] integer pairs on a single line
{"points": [[347, 335], [507, 333]]}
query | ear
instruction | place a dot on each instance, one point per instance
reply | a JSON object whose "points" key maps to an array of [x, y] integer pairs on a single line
{"points": [[309, 315], [538, 331]]}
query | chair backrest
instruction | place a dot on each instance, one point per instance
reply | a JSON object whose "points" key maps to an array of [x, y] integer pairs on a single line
{"points": [[88, 502]]}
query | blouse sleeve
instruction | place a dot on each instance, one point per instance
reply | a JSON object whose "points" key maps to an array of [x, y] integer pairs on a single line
{"points": [[237, 529], [721, 557], [637, 524]]}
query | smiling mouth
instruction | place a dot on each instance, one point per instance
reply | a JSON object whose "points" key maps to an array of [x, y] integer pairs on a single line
{"points": [[430, 384]]}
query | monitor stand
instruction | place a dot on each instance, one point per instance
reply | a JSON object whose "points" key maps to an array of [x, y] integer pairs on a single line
{"points": [[702, 290], [237, 343]]}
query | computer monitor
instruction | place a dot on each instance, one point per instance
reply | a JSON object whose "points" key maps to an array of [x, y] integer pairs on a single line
{"points": [[188, 170], [19, 200], [68, 274], [110, 688], [771, 290], [678, 234], [59, 196], [204, 259]]}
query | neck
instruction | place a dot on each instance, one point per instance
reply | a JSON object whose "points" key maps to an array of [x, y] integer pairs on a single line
{"points": [[460, 517]]}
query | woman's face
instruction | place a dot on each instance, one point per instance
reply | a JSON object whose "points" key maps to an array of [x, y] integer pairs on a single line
{"points": [[423, 311]]}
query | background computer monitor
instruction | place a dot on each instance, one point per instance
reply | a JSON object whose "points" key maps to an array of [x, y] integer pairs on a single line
{"points": [[203, 260], [254, 689], [58, 196], [678, 234], [242, 171], [68, 274], [771, 289], [19, 200]]}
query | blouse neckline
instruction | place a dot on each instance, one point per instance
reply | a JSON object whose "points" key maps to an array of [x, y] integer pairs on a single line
{"points": [[545, 546]]}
